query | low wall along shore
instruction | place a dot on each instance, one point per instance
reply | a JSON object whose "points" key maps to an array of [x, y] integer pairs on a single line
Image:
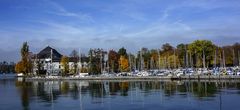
{"points": [[143, 78]]}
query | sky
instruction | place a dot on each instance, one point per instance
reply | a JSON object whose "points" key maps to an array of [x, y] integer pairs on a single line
{"points": [[111, 24]]}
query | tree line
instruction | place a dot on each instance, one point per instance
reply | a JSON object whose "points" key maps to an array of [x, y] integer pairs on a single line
{"points": [[6, 67], [197, 54]]}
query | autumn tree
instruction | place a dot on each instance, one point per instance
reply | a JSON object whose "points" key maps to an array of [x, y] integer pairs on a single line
{"points": [[154, 59], [113, 60], [123, 63], [19, 67], [25, 65], [123, 60], [173, 61], [65, 65], [167, 50]]}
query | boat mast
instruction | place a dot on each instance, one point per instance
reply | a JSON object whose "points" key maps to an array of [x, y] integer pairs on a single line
{"points": [[51, 61], [80, 63], [165, 62], [186, 53], [159, 60], [174, 58], [221, 60], [233, 57], [141, 62], [238, 59], [101, 61], [108, 62], [224, 63], [204, 65], [190, 58], [215, 59], [151, 63], [129, 59]]}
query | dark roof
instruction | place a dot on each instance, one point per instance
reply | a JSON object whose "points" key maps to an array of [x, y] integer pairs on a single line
{"points": [[46, 53]]}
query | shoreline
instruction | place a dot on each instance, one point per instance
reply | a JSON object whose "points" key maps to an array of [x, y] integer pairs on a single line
{"points": [[161, 78]]}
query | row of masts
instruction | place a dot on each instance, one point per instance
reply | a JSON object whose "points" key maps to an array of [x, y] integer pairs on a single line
{"points": [[189, 60], [141, 65]]}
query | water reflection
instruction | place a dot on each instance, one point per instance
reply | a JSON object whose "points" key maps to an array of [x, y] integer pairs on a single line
{"points": [[95, 94]]}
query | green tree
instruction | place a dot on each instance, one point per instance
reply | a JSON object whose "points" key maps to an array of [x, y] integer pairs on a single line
{"points": [[167, 47], [181, 52], [236, 50], [202, 49], [146, 55], [96, 60], [122, 52]]}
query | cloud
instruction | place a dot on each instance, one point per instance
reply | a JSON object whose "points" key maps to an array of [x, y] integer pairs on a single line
{"points": [[61, 11]]}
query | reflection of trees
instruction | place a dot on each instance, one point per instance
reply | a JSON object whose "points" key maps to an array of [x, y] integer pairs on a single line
{"points": [[99, 89], [47, 96], [75, 91], [124, 88], [3, 82], [64, 87], [25, 91], [182, 88], [238, 87], [121, 87], [204, 89], [169, 88], [50, 91], [114, 88], [96, 89]]}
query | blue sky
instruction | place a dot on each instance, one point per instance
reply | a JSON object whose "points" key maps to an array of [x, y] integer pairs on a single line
{"points": [[111, 24]]}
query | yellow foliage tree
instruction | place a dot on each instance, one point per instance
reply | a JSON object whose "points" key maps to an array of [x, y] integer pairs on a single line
{"points": [[19, 67], [123, 63], [65, 65], [173, 61]]}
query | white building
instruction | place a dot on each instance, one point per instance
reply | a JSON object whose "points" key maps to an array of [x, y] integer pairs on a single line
{"points": [[47, 62]]}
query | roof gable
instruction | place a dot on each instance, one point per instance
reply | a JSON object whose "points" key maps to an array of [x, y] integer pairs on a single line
{"points": [[46, 53]]}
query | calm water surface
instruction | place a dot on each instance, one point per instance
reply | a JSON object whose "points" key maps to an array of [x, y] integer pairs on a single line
{"points": [[118, 95]]}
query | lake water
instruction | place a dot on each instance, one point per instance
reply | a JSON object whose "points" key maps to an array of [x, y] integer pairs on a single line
{"points": [[118, 95]]}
